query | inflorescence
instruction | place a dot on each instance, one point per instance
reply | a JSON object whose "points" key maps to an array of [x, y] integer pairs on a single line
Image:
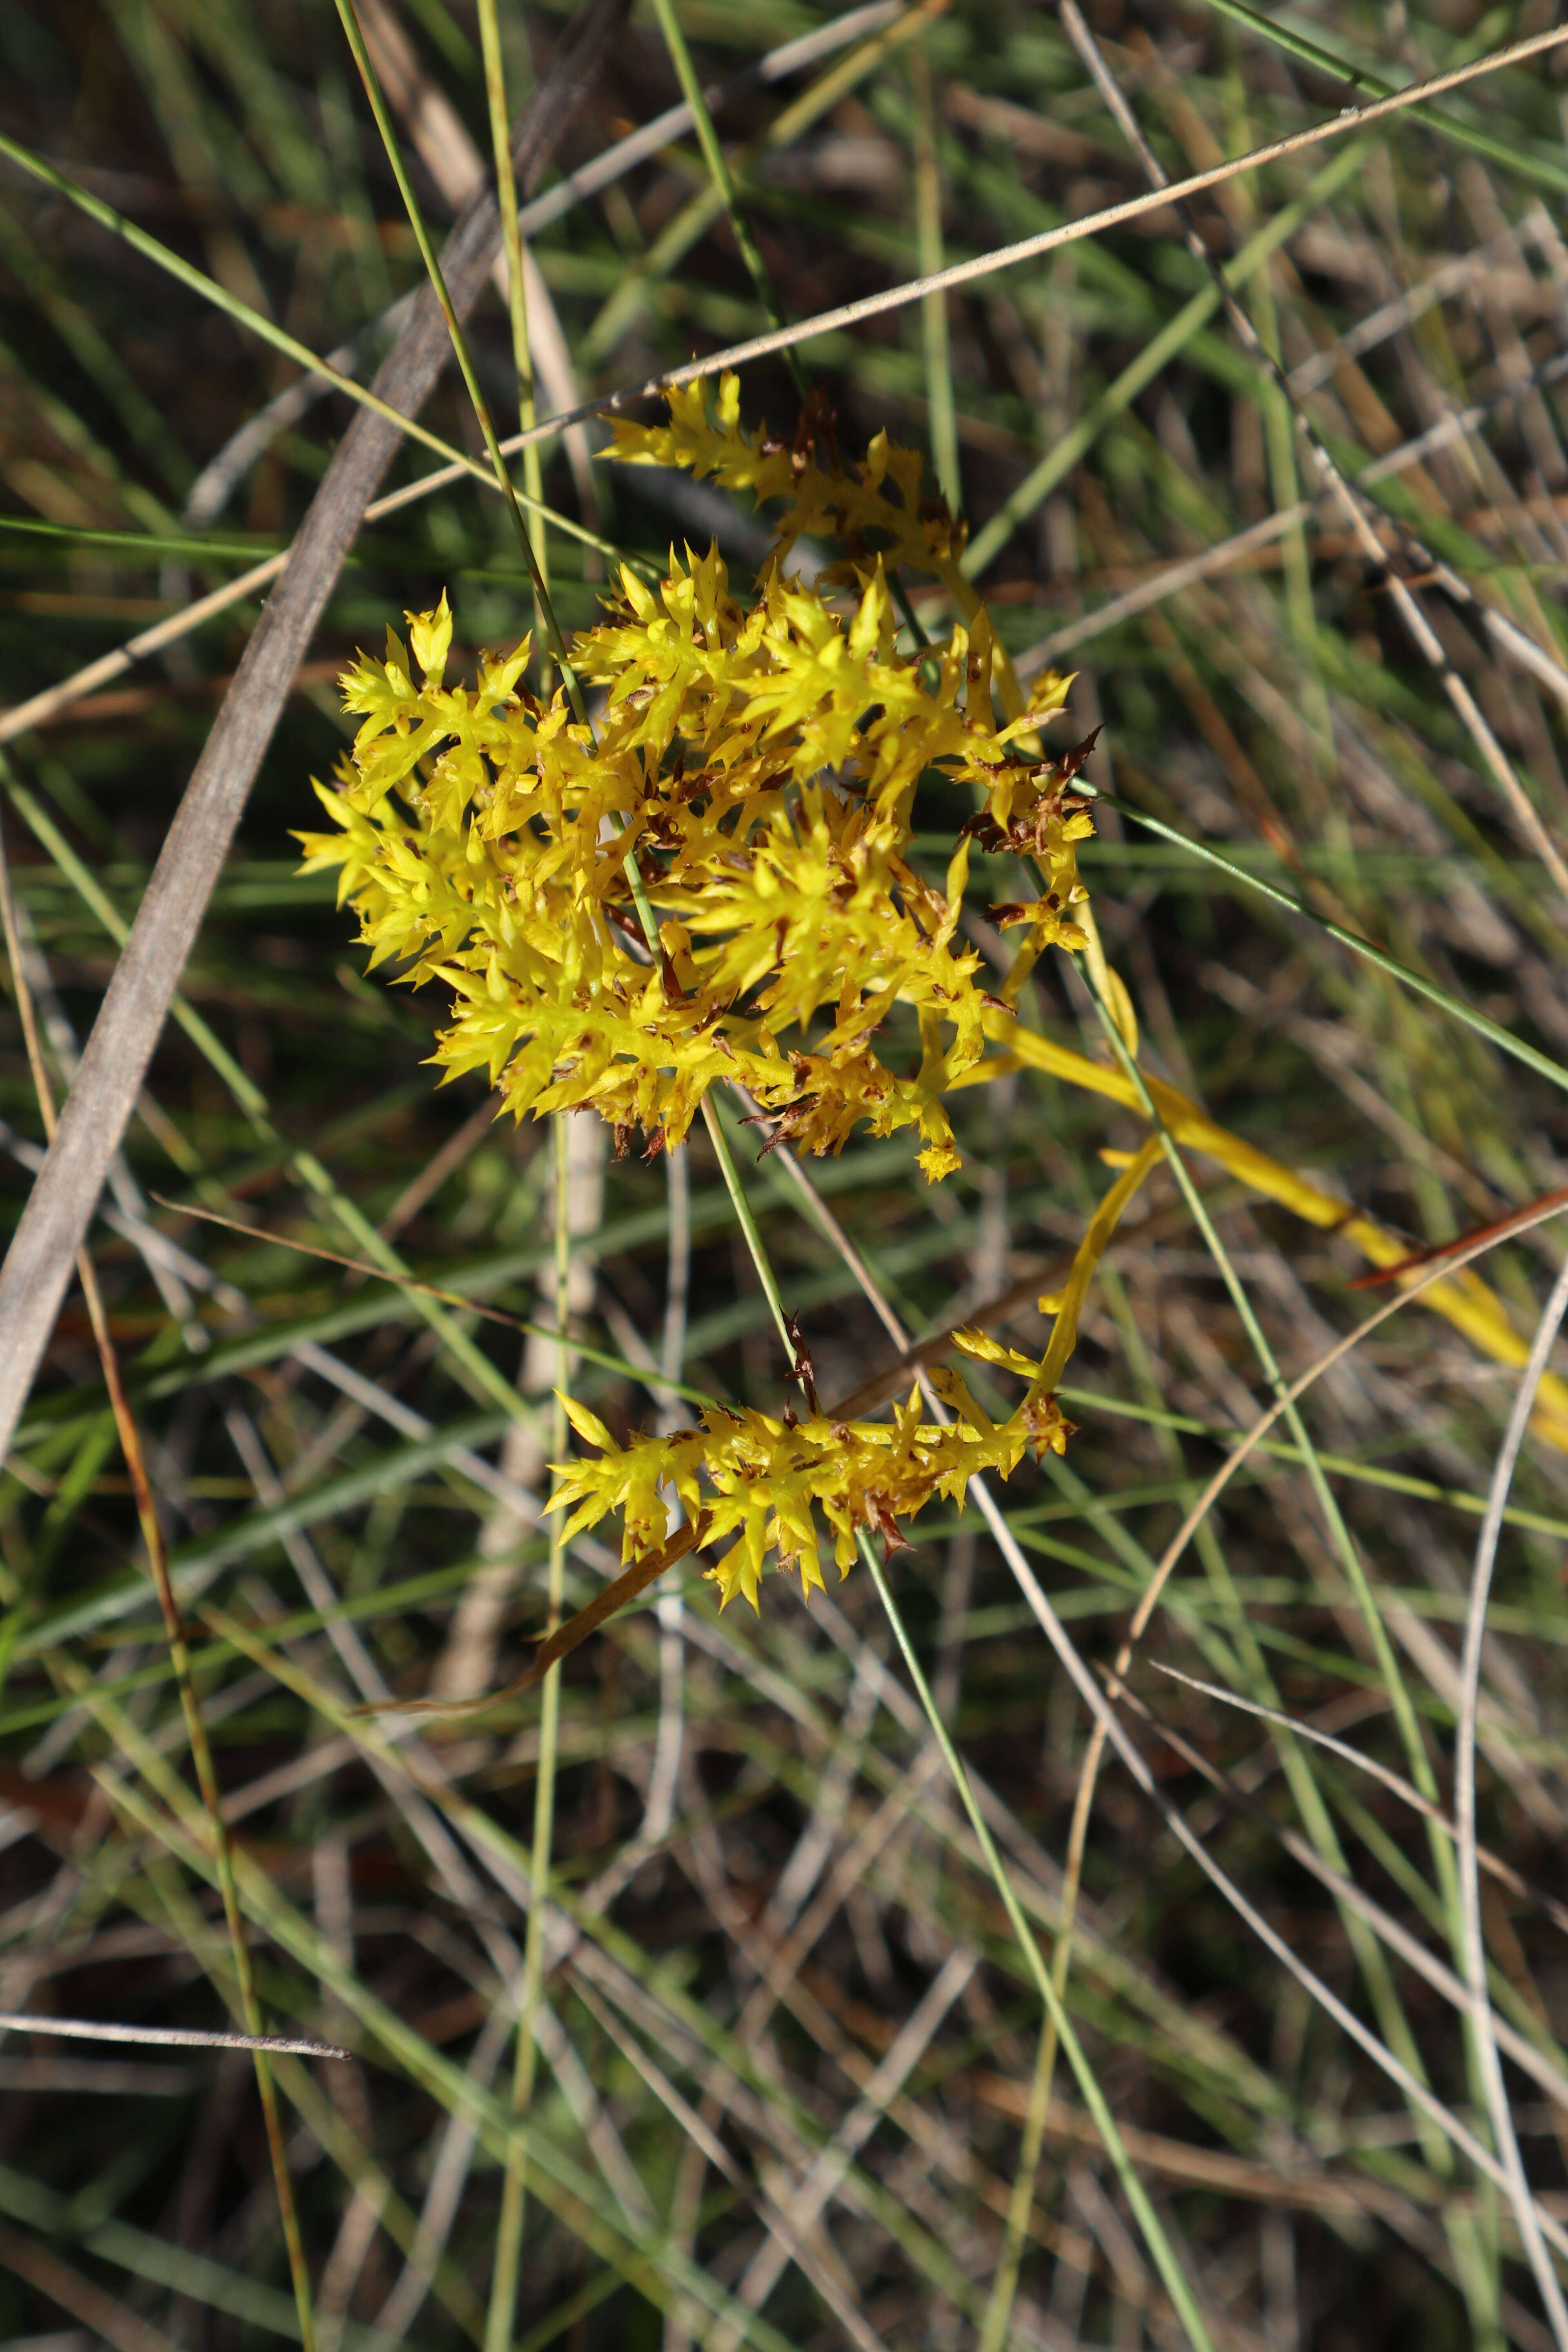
{"points": [[713, 881]]}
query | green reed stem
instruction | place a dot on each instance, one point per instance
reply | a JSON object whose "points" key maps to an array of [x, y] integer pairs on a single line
{"points": [[723, 177], [461, 348], [747, 1222], [1094, 2098], [514, 2182], [517, 285]]}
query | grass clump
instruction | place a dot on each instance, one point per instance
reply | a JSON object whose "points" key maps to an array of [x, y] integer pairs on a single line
{"points": [[1102, 837]]}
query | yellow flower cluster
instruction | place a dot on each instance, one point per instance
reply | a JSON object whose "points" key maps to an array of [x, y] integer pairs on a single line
{"points": [[755, 1479], [758, 764], [877, 510], [713, 881]]}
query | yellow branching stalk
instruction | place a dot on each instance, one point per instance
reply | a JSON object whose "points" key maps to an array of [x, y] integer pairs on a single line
{"points": [[877, 508], [759, 762], [1462, 1298]]}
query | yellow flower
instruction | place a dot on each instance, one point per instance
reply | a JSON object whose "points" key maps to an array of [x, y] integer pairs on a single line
{"points": [[758, 762], [757, 1480], [761, 766]]}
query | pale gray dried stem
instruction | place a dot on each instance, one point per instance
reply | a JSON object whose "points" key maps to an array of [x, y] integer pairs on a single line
{"points": [[1488, 2034], [222, 475], [592, 2117], [480, 1123], [302, 1772], [81, 2029], [55, 1219], [804, 2208]]}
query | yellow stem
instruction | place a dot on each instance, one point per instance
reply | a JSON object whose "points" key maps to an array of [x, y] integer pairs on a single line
{"points": [[1464, 1299]]}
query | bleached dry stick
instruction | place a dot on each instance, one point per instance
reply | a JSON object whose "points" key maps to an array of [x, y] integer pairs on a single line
{"points": [[162, 2037]]}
